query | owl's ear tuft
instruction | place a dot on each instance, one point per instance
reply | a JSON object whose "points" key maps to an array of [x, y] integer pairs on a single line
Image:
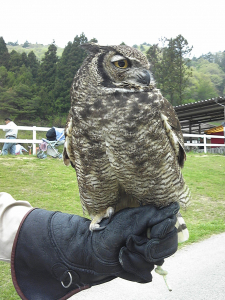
{"points": [[90, 47]]}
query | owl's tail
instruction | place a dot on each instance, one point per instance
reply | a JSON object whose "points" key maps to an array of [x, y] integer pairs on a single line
{"points": [[183, 234]]}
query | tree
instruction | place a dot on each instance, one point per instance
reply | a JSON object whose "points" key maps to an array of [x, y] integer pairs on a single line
{"points": [[26, 44], [169, 66], [46, 81], [48, 67], [17, 102], [3, 76], [33, 64], [15, 61], [24, 76], [12, 44], [155, 56], [200, 87], [209, 57], [216, 75], [142, 48], [4, 54], [24, 59], [71, 60], [182, 71]]}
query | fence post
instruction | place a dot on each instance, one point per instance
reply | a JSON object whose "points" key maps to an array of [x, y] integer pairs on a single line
{"points": [[34, 138], [204, 139]]}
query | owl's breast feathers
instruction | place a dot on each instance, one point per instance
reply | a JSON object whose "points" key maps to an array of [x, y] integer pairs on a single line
{"points": [[135, 138]]}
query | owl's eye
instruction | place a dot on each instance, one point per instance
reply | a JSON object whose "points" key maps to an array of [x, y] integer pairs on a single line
{"points": [[122, 64]]}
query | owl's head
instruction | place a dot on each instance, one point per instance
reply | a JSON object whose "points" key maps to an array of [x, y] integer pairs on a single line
{"points": [[117, 67]]}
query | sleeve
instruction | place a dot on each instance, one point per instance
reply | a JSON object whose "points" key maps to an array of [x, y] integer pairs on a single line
{"points": [[6, 127], [11, 214]]}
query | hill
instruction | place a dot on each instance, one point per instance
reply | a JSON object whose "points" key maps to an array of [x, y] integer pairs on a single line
{"points": [[142, 47], [38, 49]]}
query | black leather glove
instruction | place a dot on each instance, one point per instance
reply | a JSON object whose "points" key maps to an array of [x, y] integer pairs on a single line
{"points": [[55, 255]]}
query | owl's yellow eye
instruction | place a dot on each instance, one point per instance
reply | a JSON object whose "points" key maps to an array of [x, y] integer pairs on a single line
{"points": [[122, 64]]}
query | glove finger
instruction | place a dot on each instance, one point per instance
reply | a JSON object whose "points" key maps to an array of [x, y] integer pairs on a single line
{"points": [[135, 264], [154, 250], [138, 220], [164, 213], [161, 229]]}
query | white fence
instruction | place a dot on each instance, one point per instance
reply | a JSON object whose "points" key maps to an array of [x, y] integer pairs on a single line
{"points": [[193, 137], [205, 137], [33, 141]]}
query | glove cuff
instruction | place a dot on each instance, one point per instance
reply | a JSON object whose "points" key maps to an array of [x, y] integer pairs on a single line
{"points": [[39, 268]]}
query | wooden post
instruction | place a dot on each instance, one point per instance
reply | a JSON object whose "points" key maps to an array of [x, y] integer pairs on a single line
{"points": [[34, 139], [190, 131], [204, 139]]}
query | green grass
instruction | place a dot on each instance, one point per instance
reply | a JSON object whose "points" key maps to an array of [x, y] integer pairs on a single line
{"points": [[205, 176], [50, 185]]}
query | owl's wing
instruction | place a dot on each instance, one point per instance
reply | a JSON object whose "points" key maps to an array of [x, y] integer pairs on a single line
{"points": [[172, 126], [68, 156]]}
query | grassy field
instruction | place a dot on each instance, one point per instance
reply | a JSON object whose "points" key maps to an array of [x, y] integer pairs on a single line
{"points": [[50, 185]]}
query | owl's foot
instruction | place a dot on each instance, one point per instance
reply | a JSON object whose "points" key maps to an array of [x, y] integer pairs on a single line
{"points": [[108, 213]]}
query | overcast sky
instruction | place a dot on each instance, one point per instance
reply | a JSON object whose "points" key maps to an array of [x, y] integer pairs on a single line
{"points": [[202, 23]]}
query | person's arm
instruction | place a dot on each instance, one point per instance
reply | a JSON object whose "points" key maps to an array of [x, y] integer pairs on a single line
{"points": [[11, 128], [11, 215], [7, 127]]}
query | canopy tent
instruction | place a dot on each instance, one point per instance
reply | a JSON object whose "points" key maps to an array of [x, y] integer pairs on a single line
{"points": [[218, 129]]}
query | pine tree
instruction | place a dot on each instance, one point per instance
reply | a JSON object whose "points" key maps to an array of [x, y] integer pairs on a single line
{"points": [[33, 64], [182, 71], [48, 67], [170, 67], [4, 54], [71, 60], [17, 102], [15, 61], [24, 59], [46, 82]]}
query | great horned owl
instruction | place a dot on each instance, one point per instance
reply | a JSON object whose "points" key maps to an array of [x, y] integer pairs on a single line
{"points": [[122, 137]]}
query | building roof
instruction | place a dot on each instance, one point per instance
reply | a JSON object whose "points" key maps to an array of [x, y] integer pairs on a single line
{"points": [[195, 117]]}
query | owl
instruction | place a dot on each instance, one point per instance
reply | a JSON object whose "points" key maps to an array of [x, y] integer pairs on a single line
{"points": [[123, 137]]}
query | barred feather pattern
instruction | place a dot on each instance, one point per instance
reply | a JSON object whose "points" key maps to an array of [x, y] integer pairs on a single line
{"points": [[123, 138]]}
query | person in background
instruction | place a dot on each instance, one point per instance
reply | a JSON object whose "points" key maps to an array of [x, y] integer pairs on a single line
{"points": [[11, 133], [20, 149], [55, 134]]}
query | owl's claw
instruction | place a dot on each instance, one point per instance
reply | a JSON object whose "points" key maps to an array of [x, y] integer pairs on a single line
{"points": [[95, 226], [98, 228], [109, 213]]}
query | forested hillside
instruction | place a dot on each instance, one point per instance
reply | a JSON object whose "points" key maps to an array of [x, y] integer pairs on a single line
{"points": [[36, 87], [39, 90], [38, 49]]}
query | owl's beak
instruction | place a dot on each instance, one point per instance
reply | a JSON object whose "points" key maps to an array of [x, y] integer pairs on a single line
{"points": [[143, 77]]}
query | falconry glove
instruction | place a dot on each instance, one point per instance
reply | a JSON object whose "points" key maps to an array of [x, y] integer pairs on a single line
{"points": [[55, 255]]}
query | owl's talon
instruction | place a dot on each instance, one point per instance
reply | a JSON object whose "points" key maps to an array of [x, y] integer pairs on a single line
{"points": [[94, 226], [99, 228], [109, 214], [110, 218]]}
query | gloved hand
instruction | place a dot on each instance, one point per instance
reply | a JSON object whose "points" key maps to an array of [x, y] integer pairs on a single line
{"points": [[55, 255]]}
